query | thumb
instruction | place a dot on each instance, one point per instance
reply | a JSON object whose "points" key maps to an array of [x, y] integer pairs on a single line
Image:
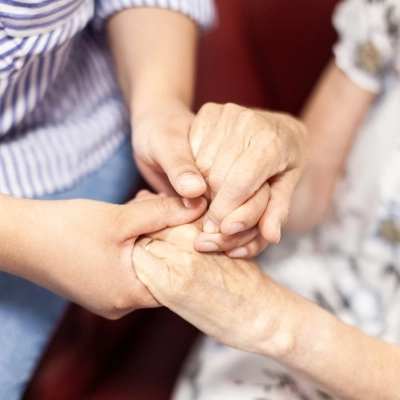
{"points": [[150, 271], [152, 215], [177, 161]]}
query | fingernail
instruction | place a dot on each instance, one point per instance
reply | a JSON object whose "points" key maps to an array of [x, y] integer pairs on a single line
{"points": [[278, 228], [240, 252], [210, 227], [235, 227], [207, 246], [193, 203], [190, 181]]}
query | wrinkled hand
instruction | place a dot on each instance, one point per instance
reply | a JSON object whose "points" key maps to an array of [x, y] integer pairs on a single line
{"points": [[252, 161], [231, 300], [82, 249]]}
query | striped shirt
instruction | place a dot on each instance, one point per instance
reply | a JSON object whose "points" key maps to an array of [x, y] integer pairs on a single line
{"points": [[61, 111]]}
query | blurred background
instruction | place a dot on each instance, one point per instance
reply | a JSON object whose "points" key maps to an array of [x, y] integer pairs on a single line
{"points": [[262, 53]]}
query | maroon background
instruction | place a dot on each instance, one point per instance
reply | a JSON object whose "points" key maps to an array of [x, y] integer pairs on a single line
{"points": [[264, 53]]}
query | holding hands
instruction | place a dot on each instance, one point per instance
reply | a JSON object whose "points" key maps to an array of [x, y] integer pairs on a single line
{"points": [[230, 300], [246, 162], [82, 249]]}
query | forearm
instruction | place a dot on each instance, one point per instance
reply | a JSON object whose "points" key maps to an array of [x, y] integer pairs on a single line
{"points": [[332, 116], [154, 51], [29, 231], [13, 227], [336, 357]]}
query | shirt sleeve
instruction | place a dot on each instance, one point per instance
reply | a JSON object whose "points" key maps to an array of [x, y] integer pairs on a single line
{"points": [[368, 40], [203, 12]]}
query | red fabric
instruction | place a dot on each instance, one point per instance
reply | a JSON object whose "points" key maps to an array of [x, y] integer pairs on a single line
{"points": [[264, 53]]}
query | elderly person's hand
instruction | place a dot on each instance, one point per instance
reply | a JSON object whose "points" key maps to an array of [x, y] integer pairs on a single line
{"points": [[237, 304], [231, 300], [252, 161]]}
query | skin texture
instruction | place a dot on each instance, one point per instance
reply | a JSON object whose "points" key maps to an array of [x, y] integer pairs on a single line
{"points": [[215, 153], [332, 116], [82, 249], [252, 161], [237, 304]]}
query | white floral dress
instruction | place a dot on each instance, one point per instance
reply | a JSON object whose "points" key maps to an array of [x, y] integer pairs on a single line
{"points": [[350, 265]]}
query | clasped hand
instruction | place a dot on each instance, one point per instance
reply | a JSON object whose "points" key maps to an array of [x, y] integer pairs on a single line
{"points": [[231, 300], [246, 162]]}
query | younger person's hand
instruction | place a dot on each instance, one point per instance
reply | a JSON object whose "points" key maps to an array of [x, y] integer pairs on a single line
{"points": [[82, 249], [162, 150]]}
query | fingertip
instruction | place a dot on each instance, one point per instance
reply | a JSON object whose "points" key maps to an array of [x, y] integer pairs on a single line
{"points": [[210, 226], [191, 185], [239, 252], [194, 202], [233, 228], [271, 232]]}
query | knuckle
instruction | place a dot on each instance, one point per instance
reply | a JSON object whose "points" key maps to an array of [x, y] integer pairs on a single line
{"points": [[250, 121], [179, 160], [164, 206], [187, 232], [231, 107], [209, 108], [215, 181], [191, 230], [241, 182], [204, 165]]}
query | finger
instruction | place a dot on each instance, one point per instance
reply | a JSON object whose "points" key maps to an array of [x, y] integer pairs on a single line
{"points": [[206, 136], [207, 242], [147, 195], [182, 236], [155, 214], [203, 123], [236, 140], [248, 214], [242, 181], [277, 212], [176, 159], [143, 195], [157, 180], [151, 271], [160, 249], [249, 250]]}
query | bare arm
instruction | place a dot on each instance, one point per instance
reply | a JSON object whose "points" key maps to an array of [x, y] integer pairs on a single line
{"points": [[154, 51], [332, 116], [335, 356], [81, 249], [237, 304]]}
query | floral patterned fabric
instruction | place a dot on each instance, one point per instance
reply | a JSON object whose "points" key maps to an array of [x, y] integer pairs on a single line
{"points": [[369, 45], [350, 265]]}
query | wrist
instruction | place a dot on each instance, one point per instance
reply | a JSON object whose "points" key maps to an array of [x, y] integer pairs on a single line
{"points": [[148, 108], [275, 323], [291, 316], [15, 232]]}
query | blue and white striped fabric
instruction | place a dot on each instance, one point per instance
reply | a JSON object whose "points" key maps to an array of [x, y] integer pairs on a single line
{"points": [[61, 112]]}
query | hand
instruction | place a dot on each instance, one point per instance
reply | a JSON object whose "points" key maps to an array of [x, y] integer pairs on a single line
{"points": [[231, 300], [82, 249], [162, 151], [252, 161]]}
